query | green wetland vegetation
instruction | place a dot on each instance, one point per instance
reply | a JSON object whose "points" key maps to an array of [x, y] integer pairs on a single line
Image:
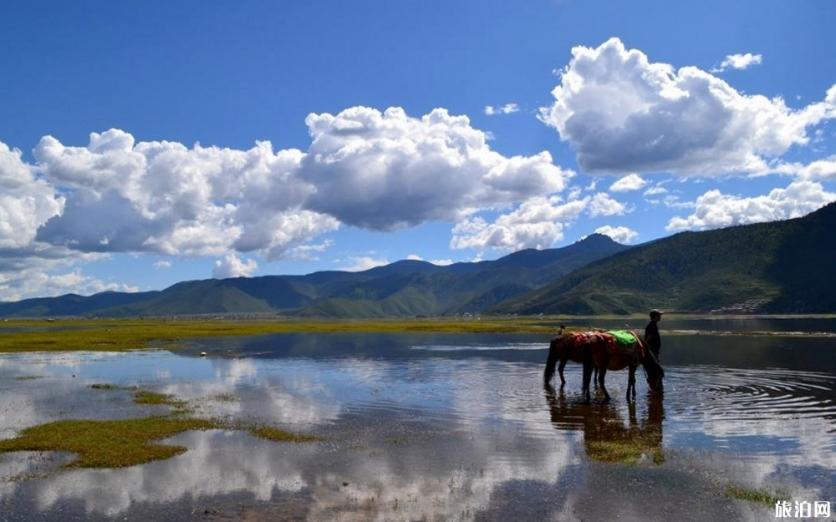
{"points": [[113, 335], [121, 443], [119, 335], [127, 442]]}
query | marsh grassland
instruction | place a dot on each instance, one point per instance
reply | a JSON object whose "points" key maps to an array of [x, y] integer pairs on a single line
{"points": [[30, 335], [119, 335], [127, 442]]}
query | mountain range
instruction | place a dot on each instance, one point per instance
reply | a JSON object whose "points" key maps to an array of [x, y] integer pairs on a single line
{"points": [[782, 266], [776, 267], [403, 288]]}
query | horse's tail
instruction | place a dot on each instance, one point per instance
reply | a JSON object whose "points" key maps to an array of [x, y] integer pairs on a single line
{"points": [[551, 362]]}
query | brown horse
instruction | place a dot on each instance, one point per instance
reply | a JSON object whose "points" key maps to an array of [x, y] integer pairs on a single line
{"points": [[600, 351]]}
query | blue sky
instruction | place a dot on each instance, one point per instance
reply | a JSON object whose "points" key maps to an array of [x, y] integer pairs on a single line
{"points": [[648, 98]]}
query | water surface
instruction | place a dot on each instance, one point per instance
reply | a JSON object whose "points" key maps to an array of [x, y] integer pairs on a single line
{"points": [[429, 426]]}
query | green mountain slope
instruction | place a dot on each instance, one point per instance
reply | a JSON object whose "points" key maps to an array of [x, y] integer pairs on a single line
{"points": [[403, 288], [782, 266]]}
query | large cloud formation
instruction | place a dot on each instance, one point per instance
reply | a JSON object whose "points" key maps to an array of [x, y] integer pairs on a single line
{"points": [[623, 113], [388, 170], [363, 167], [537, 223], [26, 203], [715, 209], [167, 198]]}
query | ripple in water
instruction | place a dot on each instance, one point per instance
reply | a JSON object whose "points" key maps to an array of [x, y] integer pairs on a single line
{"points": [[747, 394]]}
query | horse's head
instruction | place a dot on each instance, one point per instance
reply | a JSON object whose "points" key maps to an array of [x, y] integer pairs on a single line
{"points": [[655, 374]]}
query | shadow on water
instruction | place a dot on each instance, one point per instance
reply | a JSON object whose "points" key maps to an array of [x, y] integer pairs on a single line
{"points": [[607, 438]]}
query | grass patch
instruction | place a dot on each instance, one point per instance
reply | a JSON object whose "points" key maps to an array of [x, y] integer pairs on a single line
{"points": [[147, 398], [121, 335], [761, 496], [28, 377], [156, 399], [275, 434], [107, 387], [127, 442], [107, 443], [223, 397], [625, 450]]}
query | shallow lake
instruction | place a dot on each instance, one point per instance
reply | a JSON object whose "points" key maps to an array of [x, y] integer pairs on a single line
{"points": [[432, 426]]}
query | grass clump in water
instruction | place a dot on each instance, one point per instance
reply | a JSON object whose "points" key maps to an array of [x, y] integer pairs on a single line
{"points": [[157, 399], [761, 496], [147, 398], [104, 386], [276, 434], [127, 442], [625, 450], [107, 443]]}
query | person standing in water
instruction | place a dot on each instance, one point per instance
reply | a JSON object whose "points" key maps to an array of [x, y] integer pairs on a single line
{"points": [[651, 333]]}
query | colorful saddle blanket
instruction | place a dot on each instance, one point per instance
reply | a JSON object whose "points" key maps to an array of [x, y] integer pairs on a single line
{"points": [[624, 342], [624, 336]]}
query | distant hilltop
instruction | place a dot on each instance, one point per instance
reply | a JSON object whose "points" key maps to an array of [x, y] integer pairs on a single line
{"points": [[777, 267]]}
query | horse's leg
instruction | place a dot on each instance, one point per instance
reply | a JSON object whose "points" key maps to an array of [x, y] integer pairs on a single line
{"points": [[602, 374], [631, 382], [550, 362], [560, 372], [595, 377], [587, 374]]}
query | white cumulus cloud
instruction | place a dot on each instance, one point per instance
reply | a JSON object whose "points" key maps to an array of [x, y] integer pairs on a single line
{"points": [[26, 202], [44, 279], [371, 169], [164, 197], [233, 266], [817, 169], [739, 62], [508, 108], [655, 191], [385, 170], [620, 234], [623, 113], [628, 183], [537, 223], [715, 209]]}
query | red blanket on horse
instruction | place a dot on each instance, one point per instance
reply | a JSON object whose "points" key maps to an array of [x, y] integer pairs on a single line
{"points": [[613, 343]]}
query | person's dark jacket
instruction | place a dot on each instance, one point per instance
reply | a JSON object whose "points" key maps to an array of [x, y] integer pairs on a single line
{"points": [[652, 339]]}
